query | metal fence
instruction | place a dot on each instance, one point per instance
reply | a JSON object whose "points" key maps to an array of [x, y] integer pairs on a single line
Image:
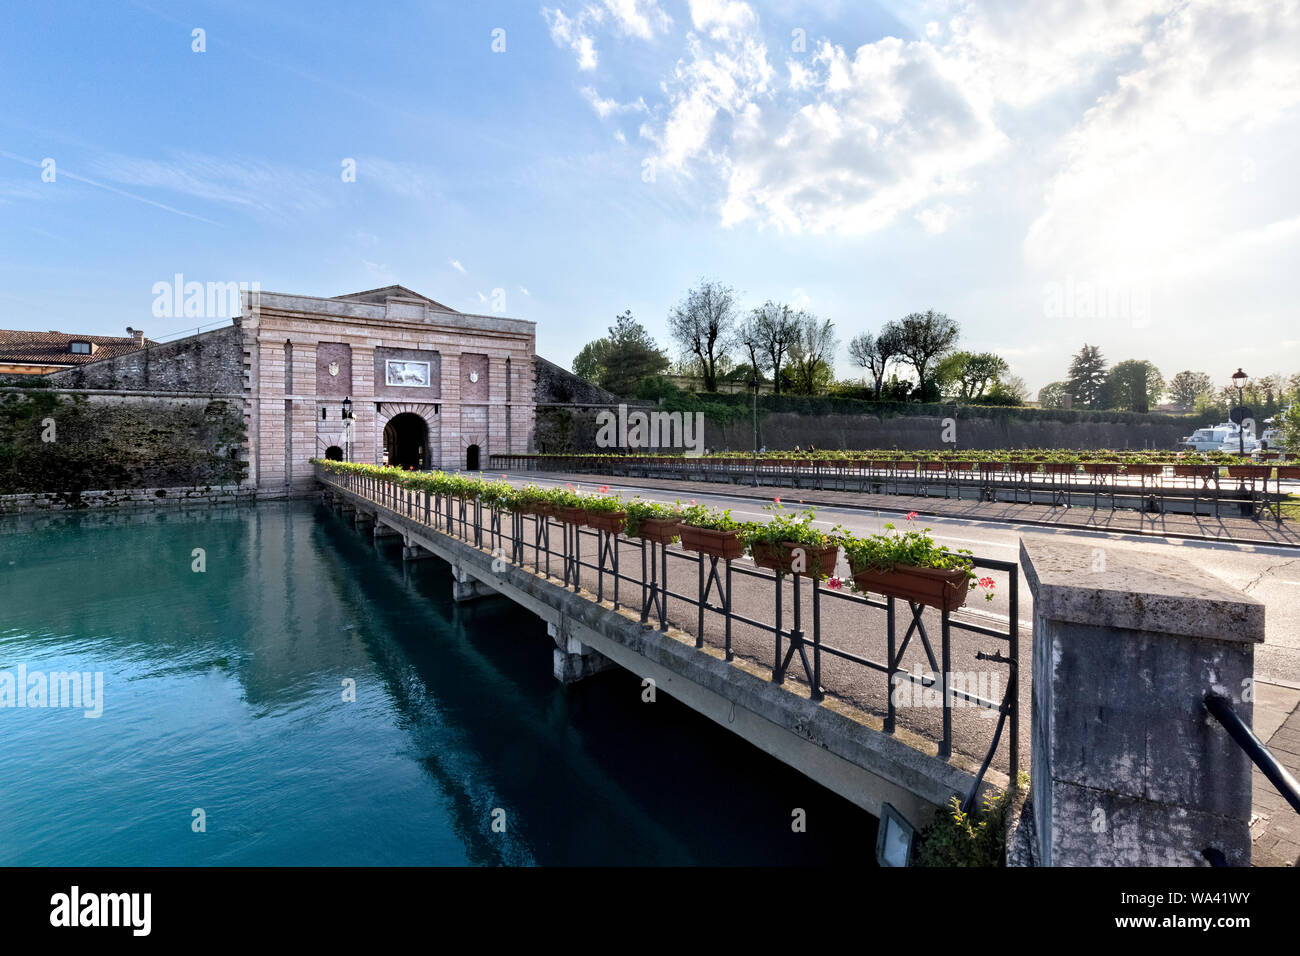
{"points": [[1249, 490], [822, 638]]}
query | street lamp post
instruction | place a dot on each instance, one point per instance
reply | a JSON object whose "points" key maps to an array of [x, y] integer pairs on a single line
{"points": [[1239, 379], [347, 429], [756, 428]]}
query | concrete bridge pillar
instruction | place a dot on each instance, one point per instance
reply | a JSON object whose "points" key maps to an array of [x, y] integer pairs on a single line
{"points": [[361, 519], [1129, 768], [573, 660], [465, 587], [383, 531], [413, 552]]}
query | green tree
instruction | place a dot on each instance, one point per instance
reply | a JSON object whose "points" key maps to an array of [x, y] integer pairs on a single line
{"points": [[622, 360], [1288, 424], [701, 325], [1134, 385], [971, 374], [925, 337], [1186, 387], [1053, 394], [1087, 379]]}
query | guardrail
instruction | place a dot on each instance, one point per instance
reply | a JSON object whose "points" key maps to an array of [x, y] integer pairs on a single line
{"points": [[1244, 489], [803, 617], [1220, 707]]}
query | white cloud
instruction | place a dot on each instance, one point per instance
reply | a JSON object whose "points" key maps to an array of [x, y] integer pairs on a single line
{"points": [[455, 264], [607, 107], [572, 33], [1155, 169], [638, 18], [935, 219], [722, 19]]}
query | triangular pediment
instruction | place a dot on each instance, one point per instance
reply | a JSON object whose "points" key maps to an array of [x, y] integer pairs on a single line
{"points": [[382, 295]]}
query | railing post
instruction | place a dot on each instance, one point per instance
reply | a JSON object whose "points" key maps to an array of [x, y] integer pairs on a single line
{"points": [[1128, 769]]}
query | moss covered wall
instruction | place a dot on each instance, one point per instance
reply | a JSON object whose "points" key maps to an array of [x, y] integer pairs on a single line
{"points": [[116, 442]]}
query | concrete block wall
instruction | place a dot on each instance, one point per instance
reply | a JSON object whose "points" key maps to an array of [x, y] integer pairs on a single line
{"points": [[1129, 768]]}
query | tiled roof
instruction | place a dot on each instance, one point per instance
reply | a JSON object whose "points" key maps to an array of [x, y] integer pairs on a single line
{"points": [[55, 348]]}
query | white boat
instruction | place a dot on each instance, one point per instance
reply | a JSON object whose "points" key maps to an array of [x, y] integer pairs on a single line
{"points": [[1216, 438]]}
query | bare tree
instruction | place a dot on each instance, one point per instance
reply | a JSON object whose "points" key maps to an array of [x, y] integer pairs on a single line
{"points": [[752, 341], [924, 337], [777, 325], [814, 352], [875, 352], [701, 326]]}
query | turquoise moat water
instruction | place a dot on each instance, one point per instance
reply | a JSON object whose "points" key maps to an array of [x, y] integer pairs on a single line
{"points": [[225, 737]]}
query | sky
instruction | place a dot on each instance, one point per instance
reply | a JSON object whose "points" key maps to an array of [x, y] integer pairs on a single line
{"points": [[1120, 173]]}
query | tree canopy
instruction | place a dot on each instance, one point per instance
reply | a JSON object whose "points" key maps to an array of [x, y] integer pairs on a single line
{"points": [[622, 360]]}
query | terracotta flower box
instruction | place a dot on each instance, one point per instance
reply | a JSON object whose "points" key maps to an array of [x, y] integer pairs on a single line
{"points": [[571, 515], [1059, 468], [1249, 471], [801, 463], [933, 587], [1195, 471], [611, 521], [659, 530], [932, 466], [1101, 467], [1144, 469], [718, 544], [780, 557], [1290, 472], [959, 466]]}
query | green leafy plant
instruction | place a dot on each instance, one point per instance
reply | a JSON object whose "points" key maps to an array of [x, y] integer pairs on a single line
{"points": [[699, 516], [787, 527], [639, 511], [967, 839], [884, 552]]}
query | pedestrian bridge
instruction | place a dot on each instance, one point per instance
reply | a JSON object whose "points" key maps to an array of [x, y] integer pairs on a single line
{"points": [[794, 668]]}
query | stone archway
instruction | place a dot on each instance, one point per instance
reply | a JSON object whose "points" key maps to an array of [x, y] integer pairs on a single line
{"points": [[404, 425], [406, 441], [472, 458]]}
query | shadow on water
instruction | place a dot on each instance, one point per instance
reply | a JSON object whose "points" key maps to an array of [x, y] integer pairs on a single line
{"points": [[223, 690], [599, 775]]}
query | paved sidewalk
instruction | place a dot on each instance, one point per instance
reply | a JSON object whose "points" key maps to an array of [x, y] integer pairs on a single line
{"points": [[1127, 521], [1275, 829]]}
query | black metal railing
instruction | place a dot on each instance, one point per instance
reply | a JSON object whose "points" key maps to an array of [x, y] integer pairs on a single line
{"points": [[1194, 489], [734, 594], [1220, 707]]}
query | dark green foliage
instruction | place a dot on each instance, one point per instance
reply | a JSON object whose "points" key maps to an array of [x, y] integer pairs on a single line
{"points": [[974, 839], [111, 445]]}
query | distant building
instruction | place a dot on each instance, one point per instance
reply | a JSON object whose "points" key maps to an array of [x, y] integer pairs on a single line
{"points": [[39, 353]]}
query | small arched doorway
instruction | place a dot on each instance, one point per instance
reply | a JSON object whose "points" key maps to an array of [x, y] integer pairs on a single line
{"points": [[406, 441], [333, 453], [471, 458]]}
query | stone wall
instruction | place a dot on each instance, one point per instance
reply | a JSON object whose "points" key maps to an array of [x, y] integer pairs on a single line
{"points": [[70, 443], [787, 429], [210, 362]]}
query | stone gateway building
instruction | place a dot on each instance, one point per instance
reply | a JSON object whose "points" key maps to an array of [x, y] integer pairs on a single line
{"points": [[240, 411], [428, 387]]}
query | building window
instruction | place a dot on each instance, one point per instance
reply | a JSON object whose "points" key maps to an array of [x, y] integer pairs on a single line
{"points": [[80, 348]]}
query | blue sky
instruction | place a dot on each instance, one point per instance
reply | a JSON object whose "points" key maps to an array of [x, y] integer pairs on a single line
{"points": [[1004, 163]]}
